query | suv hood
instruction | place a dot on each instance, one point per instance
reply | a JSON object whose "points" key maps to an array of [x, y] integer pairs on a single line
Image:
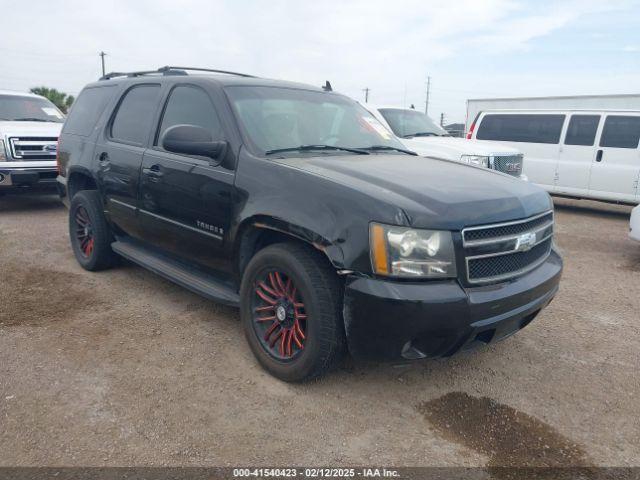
{"points": [[433, 193], [25, 129], [451, 147]]}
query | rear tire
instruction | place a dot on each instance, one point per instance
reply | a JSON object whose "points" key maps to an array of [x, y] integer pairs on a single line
{"points": [[309, 339], [89, 232]]}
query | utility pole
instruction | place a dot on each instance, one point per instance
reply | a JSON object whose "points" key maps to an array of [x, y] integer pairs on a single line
{"points": [[442, 119], [426, 105], [102, 55], [366, 94]]}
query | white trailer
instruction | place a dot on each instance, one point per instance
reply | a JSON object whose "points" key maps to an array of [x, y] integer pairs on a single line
{"points": [[576, 102]]}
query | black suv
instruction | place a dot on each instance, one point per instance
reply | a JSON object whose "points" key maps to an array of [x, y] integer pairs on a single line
{"points": [[295, 204]]}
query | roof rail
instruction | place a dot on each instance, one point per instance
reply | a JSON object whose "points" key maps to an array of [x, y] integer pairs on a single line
{"points": [[169, 70], [198, 69]]}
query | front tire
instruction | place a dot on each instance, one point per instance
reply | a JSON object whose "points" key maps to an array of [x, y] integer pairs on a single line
{"points": [[290, 305], [89, 232]]}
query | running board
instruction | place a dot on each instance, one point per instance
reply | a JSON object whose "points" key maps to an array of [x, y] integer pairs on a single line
{"points": [[198, 282]]}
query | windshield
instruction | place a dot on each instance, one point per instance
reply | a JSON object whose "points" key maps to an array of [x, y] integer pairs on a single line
{"points": [[277, 119], [35, 109], [410, 123]]}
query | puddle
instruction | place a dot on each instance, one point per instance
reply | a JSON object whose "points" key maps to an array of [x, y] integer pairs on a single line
{"points": [[507, 436]]}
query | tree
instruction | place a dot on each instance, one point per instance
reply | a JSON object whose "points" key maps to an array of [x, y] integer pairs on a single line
{"points": [[59, 99]]}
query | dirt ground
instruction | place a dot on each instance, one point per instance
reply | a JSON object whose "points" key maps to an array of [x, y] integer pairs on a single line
{"points": [[124, 368]]}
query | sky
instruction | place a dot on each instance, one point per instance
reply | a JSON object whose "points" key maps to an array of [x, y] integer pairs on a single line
{"points": [[469, 48]]}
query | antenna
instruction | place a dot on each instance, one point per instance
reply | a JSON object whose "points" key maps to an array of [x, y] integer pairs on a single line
{"points": [[426, 105], [327, 86], [102, 55]]}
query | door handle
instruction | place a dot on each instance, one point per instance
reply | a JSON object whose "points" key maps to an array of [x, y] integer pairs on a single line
{"points": [[103, 158], [599, 155], [154, 171]]}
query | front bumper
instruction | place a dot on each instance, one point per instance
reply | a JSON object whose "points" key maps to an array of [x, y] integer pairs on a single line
{"points": [[20, 177], [386, 320]]}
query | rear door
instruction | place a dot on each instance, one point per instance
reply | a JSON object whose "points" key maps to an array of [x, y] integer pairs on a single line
{"points": [[536, 135], [577, 154], [616, 166], [185, 200], [119, 153]]}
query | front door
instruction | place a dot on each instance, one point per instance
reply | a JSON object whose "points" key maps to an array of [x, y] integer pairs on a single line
{"points": [[119, 153], [577, 154], [185, 200], [616, 166]]}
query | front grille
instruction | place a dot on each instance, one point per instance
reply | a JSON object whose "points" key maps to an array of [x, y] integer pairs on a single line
{"points": [[510, 164], [33, 148], [502, 251], [491, 267], [503, 230]]}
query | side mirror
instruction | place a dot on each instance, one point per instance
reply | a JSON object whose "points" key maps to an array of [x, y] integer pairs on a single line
{"points": [[193, 140]]}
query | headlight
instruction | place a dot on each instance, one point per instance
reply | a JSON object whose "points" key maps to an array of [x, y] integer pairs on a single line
{"points": [[477, 160], [3, 153], [408, 253]]}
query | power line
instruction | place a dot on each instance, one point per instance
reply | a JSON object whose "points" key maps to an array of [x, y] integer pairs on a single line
{"points": [[44, 55]]}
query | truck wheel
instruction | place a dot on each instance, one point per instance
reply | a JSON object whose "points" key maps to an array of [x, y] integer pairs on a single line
{"points": [[290, 305], [89, 232]]}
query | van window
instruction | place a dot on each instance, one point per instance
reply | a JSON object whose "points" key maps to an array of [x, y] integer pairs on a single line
{"points": [[621, 131], [582, 130], [87, 109], [133, 118], [190, 105], [521, 128]]}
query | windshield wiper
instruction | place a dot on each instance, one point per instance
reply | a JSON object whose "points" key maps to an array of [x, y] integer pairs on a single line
{"points": [[30, 119], [306, 148], [421, 134], [387, 147]]}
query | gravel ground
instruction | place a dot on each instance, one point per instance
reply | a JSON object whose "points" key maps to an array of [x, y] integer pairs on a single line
{"points": [[124, 368]]}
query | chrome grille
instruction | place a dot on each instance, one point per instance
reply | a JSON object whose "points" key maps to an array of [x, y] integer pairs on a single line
{"points": [[33, 148], [510, 164], [504, 230], [505, 250]]}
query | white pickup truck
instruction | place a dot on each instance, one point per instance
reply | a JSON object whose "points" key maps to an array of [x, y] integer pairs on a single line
{"points": [[422, 135], [29, 130]]}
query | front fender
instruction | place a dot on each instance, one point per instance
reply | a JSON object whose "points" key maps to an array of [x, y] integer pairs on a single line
{"points": [[260, 223]]}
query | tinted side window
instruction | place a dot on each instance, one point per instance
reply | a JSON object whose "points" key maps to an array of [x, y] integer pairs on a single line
{"points": [[521, 128], [87, 109], [582, 130], [621, 131], [133, 118], [190, 105]]}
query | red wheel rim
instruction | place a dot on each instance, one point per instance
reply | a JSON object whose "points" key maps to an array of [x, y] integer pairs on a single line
{"points": [[84, 232], [279, 315]]}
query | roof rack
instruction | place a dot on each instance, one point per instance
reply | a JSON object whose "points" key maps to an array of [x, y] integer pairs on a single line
{"points": [[170, 70]]}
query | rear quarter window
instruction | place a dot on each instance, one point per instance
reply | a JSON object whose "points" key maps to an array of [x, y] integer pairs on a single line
{"points": [[533, 128], [86, 110], [621, 131]]}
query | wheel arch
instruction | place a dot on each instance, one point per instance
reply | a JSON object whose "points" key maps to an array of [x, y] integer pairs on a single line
{"points": [[80, 179], [258, 232]]}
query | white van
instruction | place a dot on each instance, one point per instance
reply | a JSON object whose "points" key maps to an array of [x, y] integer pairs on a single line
{"points": [[634, 224], [577, 153], [422, 135]]}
